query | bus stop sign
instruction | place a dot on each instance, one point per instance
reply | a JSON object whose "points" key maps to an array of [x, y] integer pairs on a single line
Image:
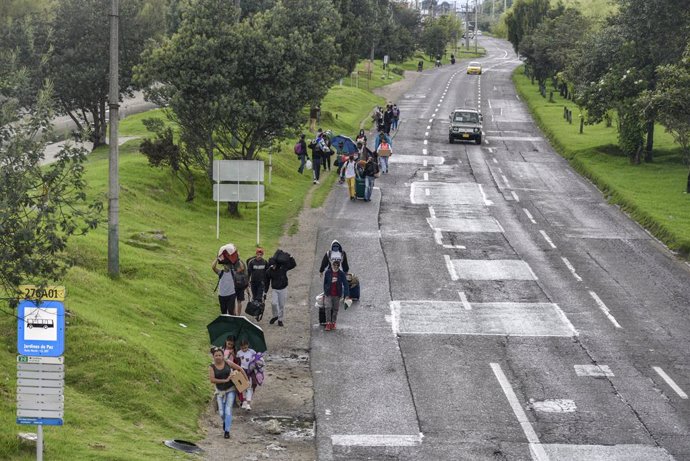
{"points": [[41, 328]]}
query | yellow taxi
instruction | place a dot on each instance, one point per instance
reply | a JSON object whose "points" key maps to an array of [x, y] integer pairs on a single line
{"points": [[474, 68]]}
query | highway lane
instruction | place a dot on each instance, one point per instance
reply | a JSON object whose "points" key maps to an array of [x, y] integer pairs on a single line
{"points": [[508, 311]]}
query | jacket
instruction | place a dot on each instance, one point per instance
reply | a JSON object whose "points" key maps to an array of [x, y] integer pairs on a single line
{"points": [[343, 288], [371, 167], [276, 274], [326, 260]]}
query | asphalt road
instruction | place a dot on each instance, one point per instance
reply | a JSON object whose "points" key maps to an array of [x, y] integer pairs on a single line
{"points": [[508, 311]]}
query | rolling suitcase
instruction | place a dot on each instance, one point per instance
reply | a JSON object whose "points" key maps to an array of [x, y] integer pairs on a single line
{"points": [[322, 309], [359, 188]]}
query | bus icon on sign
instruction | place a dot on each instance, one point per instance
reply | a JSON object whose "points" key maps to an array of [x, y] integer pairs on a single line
{"points": [[40, 323]]}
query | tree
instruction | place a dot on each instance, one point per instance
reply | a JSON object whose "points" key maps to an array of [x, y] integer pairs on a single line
{"points": [[523, 18], [669, 103], [235, 86], [550, 47], [434, 38], [42, 206], [79, 64]]}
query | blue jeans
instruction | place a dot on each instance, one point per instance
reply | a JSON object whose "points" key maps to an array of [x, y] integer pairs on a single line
{"points": [[368, 187], [383, 161], [225, 402], [303, 161]]}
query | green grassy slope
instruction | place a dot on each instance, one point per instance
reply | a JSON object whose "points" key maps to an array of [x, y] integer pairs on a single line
{"points": [[136, 349], [652, 193]]}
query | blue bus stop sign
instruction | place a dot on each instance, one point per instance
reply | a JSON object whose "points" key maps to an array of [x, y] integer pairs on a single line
{"points": [[41, 328]]}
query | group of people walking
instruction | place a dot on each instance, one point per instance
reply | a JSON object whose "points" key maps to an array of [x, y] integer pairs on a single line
{"points": [[253, 278], [235, 278]]}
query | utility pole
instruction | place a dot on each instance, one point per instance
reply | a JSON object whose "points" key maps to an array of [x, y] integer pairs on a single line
{"points": [[476, 24], [113, 174], [467, 21]]}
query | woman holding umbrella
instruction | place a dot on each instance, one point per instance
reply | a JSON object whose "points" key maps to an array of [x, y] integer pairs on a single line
{"points": [[219, 374]]}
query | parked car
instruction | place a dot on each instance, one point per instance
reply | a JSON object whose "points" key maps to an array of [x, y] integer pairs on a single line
{"points": [[474, 68], [465, 125]]}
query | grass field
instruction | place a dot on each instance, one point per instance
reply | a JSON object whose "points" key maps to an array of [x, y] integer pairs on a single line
{"points": [[136, 349], [652, 193]]}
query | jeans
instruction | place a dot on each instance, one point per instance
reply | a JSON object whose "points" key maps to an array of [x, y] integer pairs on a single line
{"points": [[332, 304], [225, 401], [383, 161], [278, 303], [303, 161], [394, 125], [368, 187]]}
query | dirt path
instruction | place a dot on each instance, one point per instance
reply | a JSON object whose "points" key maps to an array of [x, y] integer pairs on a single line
{"points": [[280, 425]]}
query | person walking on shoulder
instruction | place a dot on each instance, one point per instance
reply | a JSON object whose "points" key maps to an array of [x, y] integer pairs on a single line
{"points": [[335, 289], [349, 172], [246, 356], [301, 152], [276, 278], [371, 172], [336, 252], [256, 269], [226, 287], [384, 150], [219, 374]]}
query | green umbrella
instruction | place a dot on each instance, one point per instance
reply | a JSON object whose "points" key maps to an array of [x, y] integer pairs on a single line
{"points": [[239, 327]]}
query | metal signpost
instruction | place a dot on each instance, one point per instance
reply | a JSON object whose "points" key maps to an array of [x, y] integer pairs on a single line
{"points": [[40, 365], [234, 173]]}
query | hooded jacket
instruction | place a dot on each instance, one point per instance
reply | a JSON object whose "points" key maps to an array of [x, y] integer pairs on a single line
{"points": [[326, 261]]}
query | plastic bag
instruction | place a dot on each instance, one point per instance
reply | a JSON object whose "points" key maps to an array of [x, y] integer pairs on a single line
{"points": [[308, 165]]}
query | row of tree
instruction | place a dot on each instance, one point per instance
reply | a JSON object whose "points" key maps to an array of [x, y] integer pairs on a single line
{"points": [[235, 76], [634, 64]]}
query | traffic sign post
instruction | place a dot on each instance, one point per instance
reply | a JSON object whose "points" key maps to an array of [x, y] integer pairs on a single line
{"points": [[40, 365]]}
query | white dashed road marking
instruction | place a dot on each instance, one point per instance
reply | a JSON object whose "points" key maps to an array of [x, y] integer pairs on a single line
{"points": [[604, 309], [547, 238], [529, 215], [515, 196], [596, 371], [572, 269], [671, 383], [451, 268], [463, 299]]}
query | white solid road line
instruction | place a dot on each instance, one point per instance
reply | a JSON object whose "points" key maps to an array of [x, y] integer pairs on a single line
{"points": [[671, 383], [572, 269], [529, 215], [487, 202], [451, 268], [465, 303], [536, 448], [604, 309], [547, 238], [515, 196]]}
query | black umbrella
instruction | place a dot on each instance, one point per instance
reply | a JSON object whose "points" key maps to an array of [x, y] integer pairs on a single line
{"points": [[239, 327]]}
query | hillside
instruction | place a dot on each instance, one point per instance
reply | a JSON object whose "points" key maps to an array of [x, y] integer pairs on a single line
{"points": [[136, 349]]}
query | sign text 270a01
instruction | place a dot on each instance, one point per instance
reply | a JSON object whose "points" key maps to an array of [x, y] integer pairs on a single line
{"points": [[47, 293]]}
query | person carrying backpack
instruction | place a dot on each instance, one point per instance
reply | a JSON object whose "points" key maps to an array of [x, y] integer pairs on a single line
{"points": [[301, 152], [371, 172], [335, 289], [276, 278], [396, 117], [336, 252]]}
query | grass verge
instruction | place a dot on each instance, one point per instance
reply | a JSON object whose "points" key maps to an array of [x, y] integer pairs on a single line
{"points": [[652, 193]]}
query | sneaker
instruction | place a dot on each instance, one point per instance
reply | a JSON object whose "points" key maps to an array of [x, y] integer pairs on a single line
{"points": [[328, 326], [318, 182], [226, 435], [273, 320], [333, 326], [280, 323], [244, 404], [248, 407], [315, 182]]}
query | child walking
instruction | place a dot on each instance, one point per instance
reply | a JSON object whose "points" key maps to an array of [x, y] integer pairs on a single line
{"points": [[246, 356], [349, 172]]}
